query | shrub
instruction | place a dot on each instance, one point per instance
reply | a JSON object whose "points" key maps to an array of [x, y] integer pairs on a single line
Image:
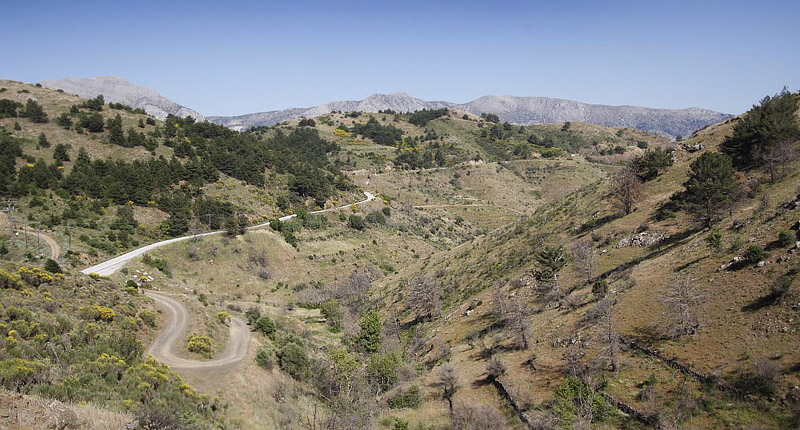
{"points": [[201, 345], [356, 222], [409, 398], [371, 334], [52, 266], [265, 325], [252, 314], [783, 283], [785, 238], [332, 311], [9, 280], [754, 254], [376, 217], [265, 357], [382, 370], [223, 317], [714, 240], [294, 360], [148, 317], [600, 289], [17, 374]]}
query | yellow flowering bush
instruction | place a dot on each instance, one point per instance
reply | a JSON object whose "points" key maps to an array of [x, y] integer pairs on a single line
{"points": [[16, 372], [9, 280], [223, 317], [35, 276], [200, 344], [341, 133]]}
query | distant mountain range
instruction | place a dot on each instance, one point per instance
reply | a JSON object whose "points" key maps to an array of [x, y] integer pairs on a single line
{"points": [[516, 110], [118, 90]]}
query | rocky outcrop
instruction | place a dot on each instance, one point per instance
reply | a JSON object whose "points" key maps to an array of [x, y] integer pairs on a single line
{"points": [[118, 90]]}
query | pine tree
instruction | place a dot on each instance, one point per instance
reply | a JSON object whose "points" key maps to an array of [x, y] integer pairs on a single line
{"points": [[34, 112], [711, 186], [115, 134], [43, 142]]}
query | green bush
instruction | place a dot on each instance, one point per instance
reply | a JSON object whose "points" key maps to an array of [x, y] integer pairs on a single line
{"points": [[371, 334], [52, 266], [382, 370], [356, 222], [265, 357], [376, 217], [754, 254], [265, 325], [785, 238], [332, 311], [409, 398], [294, 360]]}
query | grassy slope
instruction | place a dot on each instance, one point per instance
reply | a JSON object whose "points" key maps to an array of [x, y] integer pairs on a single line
{"points": [[731, 339]]}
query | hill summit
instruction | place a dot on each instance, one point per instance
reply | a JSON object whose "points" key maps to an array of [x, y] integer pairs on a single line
{"points": [[118, 90]]}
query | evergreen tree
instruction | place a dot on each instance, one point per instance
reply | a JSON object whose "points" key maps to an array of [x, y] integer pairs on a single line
{"points": [[34, 112], [371, 334], [61, 153], [710, 187], [764, 126], [115, 134], [43, 142]]}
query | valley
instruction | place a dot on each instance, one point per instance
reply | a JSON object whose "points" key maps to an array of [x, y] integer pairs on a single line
{"points": [[393, 270]]}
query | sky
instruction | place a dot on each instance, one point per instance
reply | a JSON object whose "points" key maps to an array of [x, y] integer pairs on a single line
{"points": [[237, 57]]}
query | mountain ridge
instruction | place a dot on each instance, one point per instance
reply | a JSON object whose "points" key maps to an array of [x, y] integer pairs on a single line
{"points": [[514, 109], [521, 110], [118, 90]]}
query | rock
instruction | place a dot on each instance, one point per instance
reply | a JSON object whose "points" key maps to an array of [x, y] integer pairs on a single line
{"points": [[761, 263]]}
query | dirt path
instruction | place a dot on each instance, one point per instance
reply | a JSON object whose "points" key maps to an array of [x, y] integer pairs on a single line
{"points": [[467, 205], [55, 248], [109, 267], [164, 347]]}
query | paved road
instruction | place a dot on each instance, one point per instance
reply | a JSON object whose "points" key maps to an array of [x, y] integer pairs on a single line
{"points": [[163, 348], [109, 267]]}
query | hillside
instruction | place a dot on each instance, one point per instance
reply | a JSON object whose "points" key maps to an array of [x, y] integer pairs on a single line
{"points": [[499, 280]]}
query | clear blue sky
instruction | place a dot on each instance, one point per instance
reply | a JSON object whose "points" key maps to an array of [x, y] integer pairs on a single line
{"points": [[235, 57]]}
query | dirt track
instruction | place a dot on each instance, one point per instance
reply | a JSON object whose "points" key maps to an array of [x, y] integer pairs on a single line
{"points": [[163, 348], [109, 267]]}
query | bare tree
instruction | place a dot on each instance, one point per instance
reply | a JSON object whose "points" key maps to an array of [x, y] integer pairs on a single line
{"points": [[626, 189], [424, 297], [517, 321], [681, 300], [467, 416], [448, 380], [585, 258], [777, 156], [499, 300], [495, 368], [352, 291], [608, 336]]}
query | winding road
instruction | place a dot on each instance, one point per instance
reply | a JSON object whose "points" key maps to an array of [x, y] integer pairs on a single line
{"points": [[109, 267], [164, 347]]}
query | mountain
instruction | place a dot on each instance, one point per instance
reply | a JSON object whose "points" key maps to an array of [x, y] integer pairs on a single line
{"points": [[513, 109], [399, 102], [538, 110], [516, 110], [118, 90]]}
